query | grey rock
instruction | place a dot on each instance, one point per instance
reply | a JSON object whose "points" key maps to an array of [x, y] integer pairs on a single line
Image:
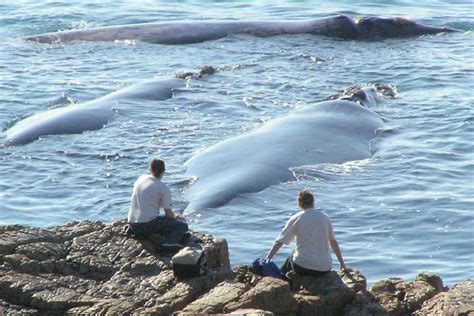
{"points": [[10, 309], [328, 294], [395, 296], [432, 279], [458, 301], [215, 301], [90, 268], [269, 294]]}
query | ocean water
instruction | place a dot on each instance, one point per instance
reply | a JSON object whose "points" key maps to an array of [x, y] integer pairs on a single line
{"points": [[406, 208]]}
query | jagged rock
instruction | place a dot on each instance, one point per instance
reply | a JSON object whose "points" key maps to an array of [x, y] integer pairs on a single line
{"points": [[42, 251], [6, 228], [251, 312], [418, 292], [59, 299], [10, 309], [307, 295], [90, 268], [71, 230], [389, 296], [269, 294], [432, 279], [105, 307], [183, 293], [365, 304], [215, 301], [327, 294], [247, 290], [459, 301], [14, 238], [395, 296]]}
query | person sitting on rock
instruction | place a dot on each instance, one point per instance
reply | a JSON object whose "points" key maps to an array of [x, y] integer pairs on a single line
{"points": [[148, 197], [312, 230]]}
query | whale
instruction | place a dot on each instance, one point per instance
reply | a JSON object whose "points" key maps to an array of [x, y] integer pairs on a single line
{"points": [[93, 114], [186, 32], [331, 131]]}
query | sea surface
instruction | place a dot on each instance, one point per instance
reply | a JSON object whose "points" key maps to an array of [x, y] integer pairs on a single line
{"points": [[405, 209]]}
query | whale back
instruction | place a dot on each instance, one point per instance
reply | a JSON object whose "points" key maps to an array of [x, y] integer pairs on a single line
{"points": [[187, 32], [149, 90], [326, 132], [73, 119], [89, 115], [373, 27]]}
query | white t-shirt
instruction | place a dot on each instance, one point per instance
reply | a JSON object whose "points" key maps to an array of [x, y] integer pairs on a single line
{"points": [[312, 230], [149, 195]]}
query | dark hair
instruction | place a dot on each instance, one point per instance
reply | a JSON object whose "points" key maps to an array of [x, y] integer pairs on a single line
{"points": [[305, 199], [157, 166]]}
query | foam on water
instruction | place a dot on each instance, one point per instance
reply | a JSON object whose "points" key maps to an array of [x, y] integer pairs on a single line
{"points": [[405, 209]]}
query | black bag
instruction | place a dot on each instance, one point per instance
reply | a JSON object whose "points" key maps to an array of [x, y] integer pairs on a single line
{"points": [[189, 262]]}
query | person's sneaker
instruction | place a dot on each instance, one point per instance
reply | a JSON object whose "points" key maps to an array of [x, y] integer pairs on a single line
{"points": [[171, 248]]}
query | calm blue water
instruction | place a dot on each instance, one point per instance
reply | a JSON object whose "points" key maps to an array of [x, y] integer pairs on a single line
{"points": [[406, 209]]}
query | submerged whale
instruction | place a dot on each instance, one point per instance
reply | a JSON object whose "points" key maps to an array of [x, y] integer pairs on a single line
{"points": [[94, 114], [334, 131], [340, 26]]}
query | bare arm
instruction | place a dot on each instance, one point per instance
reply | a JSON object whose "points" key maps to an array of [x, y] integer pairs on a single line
{"points": [[337, 251], [276, 246], [169, 213]]}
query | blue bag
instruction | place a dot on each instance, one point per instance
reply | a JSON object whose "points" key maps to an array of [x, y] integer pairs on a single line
{"points": [[267, 267]]}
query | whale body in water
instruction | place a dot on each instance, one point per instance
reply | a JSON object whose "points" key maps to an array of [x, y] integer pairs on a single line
{"points": [[333, 131], [94, 114], [340, 26], [86, 116]]}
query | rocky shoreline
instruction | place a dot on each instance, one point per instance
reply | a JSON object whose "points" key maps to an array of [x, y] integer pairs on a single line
{"points": [[88, 267]]}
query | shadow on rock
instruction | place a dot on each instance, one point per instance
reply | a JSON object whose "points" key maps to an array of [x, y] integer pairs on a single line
{"points": [[91, 268]]}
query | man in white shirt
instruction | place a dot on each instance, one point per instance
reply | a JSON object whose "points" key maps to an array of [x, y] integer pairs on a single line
{"points": [[148, 197], [312, 230]]}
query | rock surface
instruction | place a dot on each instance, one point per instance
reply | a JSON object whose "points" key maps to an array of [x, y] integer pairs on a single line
{"points": [[91, 268], [458, 301]]}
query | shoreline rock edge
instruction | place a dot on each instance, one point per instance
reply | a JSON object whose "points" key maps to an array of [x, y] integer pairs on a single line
{"points": [[88, 267]]}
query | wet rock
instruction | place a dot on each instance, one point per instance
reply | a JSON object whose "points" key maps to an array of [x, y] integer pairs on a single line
{"points": [[458, 301]]}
